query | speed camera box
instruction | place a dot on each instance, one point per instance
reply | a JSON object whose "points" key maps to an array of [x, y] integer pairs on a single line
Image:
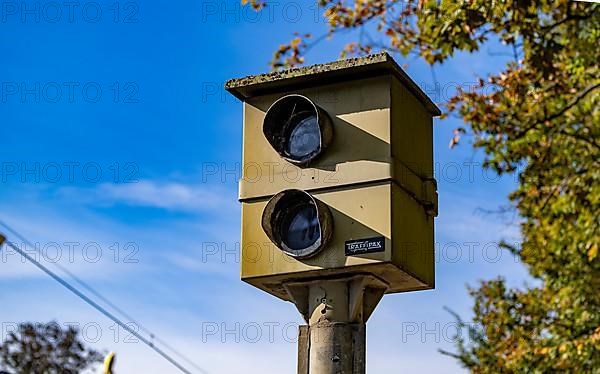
{"points": [[375, 175]]}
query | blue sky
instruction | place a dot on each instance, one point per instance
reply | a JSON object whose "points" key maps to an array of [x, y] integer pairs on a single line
{"points": [[112, 114]]}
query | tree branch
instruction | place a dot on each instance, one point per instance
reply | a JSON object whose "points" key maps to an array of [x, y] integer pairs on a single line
{"points": [[567, 107]]}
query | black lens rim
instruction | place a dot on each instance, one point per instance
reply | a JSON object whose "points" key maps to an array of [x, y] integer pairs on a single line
{"points": [[277, 126], [278, 209]]}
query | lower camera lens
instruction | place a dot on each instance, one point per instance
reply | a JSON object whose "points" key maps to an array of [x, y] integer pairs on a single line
{"points": [[297, 223], [301, 227]]}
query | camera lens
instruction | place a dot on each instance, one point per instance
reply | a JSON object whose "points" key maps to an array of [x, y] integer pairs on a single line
{"points": [[304, 136], [297, 129], [301, 227], [297, 223]]}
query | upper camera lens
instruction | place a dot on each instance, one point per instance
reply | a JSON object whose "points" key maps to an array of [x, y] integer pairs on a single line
{"points": [[297, 129], [304, 136]]}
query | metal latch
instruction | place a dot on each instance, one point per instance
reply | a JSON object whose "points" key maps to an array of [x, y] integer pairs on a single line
{"points": [[430, 196]]}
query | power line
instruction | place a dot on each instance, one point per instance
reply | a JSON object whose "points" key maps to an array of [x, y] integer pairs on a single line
{"points": [[96, 306], [91, 290]]}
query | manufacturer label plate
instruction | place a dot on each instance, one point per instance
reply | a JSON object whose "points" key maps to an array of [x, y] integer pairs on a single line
{"points": [[361, 246]]}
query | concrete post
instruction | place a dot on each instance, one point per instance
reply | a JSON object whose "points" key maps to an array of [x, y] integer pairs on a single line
{"points": [[334, 341]]}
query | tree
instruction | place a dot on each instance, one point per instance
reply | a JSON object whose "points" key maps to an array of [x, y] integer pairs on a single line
{"points": [[46, 348], [539, 115]]}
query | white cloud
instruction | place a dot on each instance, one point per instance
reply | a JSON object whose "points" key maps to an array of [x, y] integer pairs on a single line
{"points": [[208, 263], [171, 196], [90, 247], [55, 224]]}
